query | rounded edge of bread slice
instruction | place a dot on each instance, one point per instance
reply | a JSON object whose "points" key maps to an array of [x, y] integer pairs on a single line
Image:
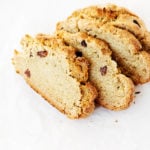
{"points": [[119, 17], [54, 71], [115, 90]]}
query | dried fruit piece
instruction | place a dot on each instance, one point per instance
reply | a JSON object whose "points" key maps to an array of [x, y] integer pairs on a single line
{"points": [[42, 53], [83, 43], [103, 70], [135, 21], [31, 55], [78, 54], [27, 73]]}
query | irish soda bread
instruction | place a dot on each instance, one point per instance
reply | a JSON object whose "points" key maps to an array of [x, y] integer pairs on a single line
{"points": [[127, 45], [92, 57], [115, 90], [55, 71]]}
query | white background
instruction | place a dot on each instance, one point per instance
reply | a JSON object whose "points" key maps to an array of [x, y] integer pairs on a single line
{"points": [[27, 122]]}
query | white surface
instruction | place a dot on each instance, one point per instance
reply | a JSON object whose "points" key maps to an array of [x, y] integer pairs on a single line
{"points": [[27, 122]]}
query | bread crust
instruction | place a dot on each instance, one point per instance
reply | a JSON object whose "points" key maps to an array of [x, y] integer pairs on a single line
{"points": [[119, 17]]}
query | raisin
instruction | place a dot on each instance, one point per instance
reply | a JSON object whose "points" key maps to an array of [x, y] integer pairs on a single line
{"points": [[104, 9], [82, 83], [78, 54], [135, 21], [31, 55], [103, 70], [83, 43], [42, 53], [27, 73]]}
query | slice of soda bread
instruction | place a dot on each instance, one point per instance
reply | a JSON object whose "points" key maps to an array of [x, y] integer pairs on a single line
{"points": [[115, 90], [54, 71]]}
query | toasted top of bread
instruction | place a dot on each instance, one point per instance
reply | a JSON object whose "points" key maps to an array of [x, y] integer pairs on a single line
{"points": [[119, 17]]}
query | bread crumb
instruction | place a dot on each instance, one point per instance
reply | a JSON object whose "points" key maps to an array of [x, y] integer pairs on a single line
{"points": [[116, 121], [138, 92]]}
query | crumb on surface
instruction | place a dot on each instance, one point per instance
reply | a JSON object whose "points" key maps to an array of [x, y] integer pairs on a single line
{"points": [[137, 92], [116, 121]]}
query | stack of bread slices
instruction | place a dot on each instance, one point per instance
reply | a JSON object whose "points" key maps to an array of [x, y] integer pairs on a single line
{"points": [[97, 55]]}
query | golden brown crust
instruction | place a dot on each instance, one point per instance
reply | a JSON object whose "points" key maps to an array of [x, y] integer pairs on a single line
{"points": [[79, 64], [110, 11], [119, 17], [49, 41], [146, 41], [88, 107]]}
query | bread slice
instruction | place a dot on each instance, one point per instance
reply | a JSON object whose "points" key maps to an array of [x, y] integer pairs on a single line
{"points": [[115, 90], [119, 17], [54, 71], [127, 50]]}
